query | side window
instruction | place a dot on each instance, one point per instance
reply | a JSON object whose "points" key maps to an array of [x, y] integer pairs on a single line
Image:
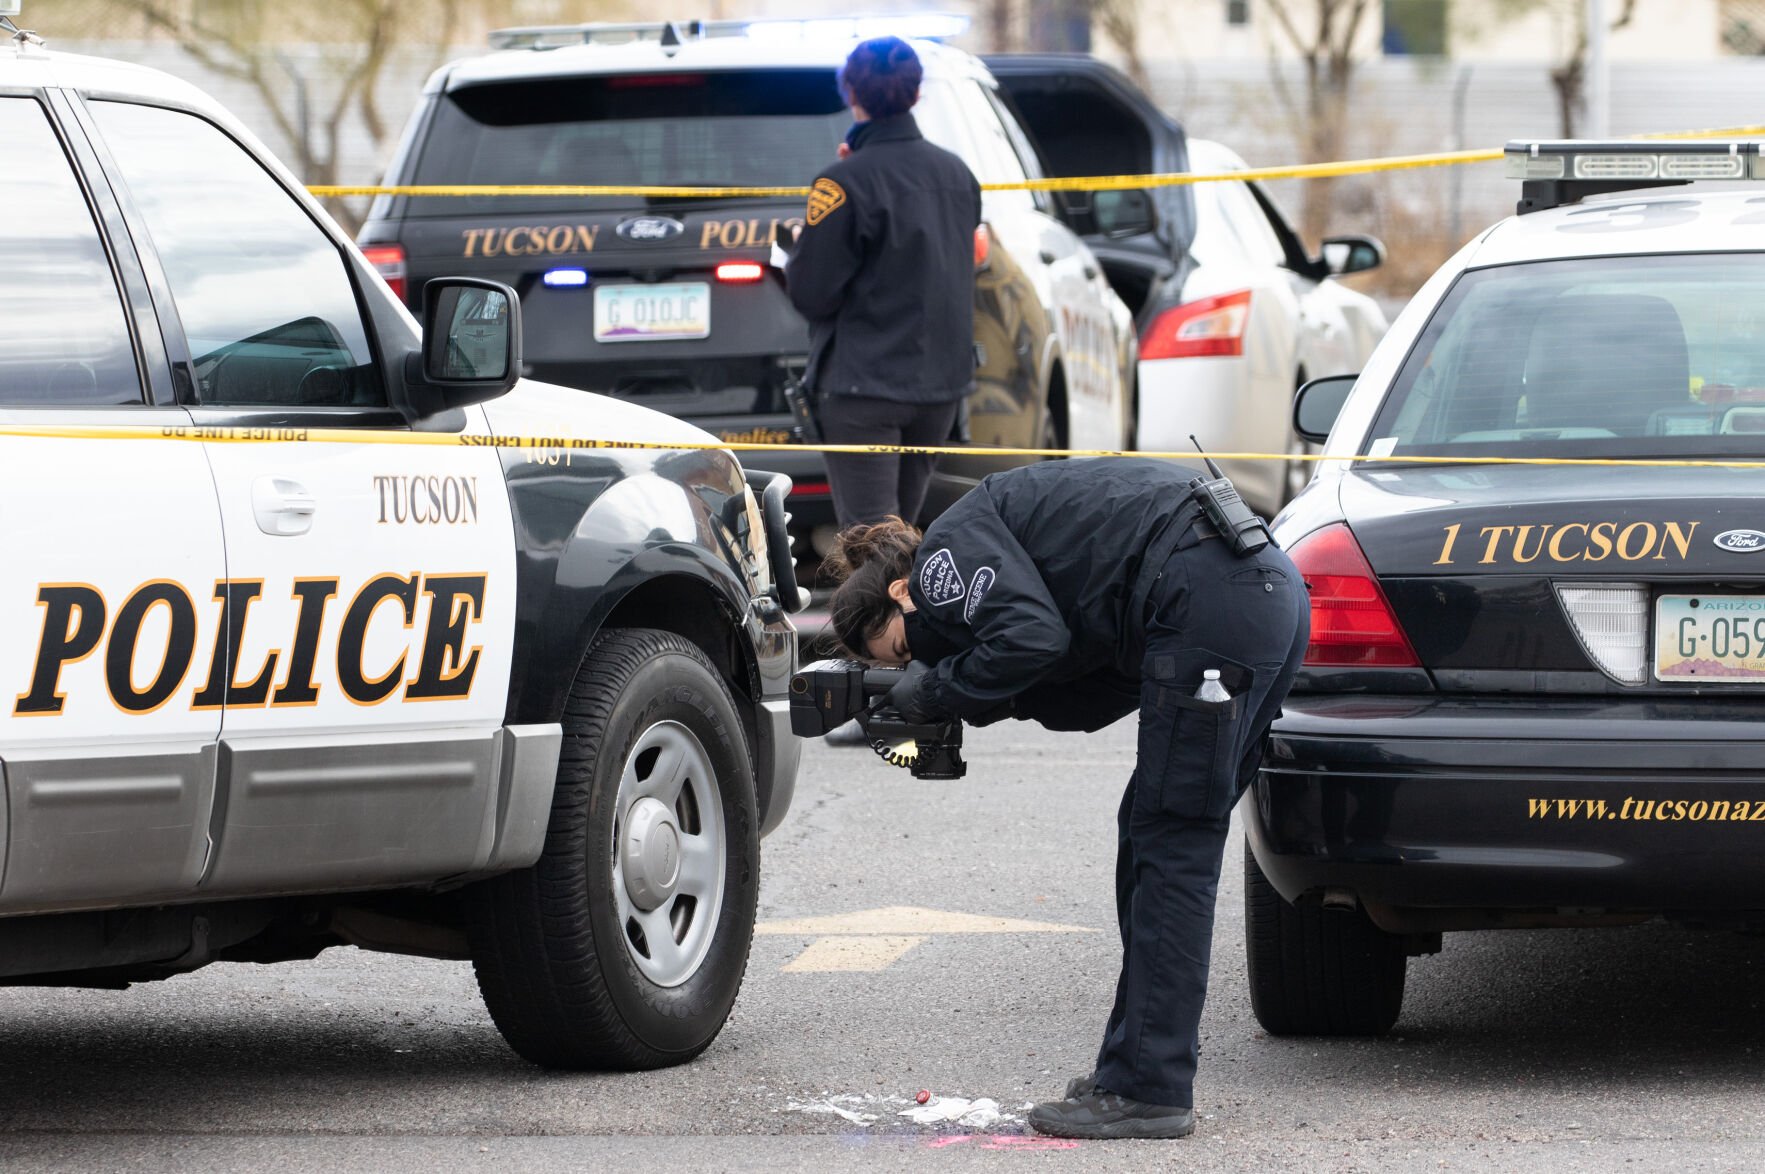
{"points": [[1249, 223], [264, 295], [1021, 148], [990, 153], [64, 339]]}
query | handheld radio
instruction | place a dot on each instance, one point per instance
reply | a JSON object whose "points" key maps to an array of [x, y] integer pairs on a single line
{"points": [[1237, 523]]}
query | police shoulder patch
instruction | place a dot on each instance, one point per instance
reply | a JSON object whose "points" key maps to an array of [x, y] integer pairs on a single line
{"points": [[824, 197], [977, 590], [939, 580]]}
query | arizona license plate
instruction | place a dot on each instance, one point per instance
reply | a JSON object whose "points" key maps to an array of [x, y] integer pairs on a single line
{"points": [[1710, 638], [642, 313]]}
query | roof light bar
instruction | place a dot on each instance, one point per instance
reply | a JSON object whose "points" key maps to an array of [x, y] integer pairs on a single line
{"points": [[1568, 170], [923, 26]]}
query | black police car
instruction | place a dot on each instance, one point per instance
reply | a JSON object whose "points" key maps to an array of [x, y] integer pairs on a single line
{"points": [[1535, 694], [673, 303]]}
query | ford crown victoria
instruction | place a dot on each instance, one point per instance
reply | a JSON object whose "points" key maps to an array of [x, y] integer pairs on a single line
{"points": [[395, 686], [1535, 693]]}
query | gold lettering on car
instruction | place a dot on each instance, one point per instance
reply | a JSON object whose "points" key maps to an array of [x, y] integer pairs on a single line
{"points": [[529, 240], [1574, 542], [747, 234], [757, 436]]}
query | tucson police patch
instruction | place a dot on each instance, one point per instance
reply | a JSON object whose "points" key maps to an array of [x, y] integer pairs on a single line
{"points": [[939, 580], [977, 591], [824, 197]]}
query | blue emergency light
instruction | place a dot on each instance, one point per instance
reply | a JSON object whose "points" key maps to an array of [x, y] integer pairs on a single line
{"points": [[566, 278]]}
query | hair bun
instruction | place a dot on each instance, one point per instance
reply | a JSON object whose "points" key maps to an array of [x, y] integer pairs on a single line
{"points": [[890, 541]]}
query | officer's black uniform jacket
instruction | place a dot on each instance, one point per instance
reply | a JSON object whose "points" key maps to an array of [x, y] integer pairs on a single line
{"points": [[1034, 587], [884, 271]]}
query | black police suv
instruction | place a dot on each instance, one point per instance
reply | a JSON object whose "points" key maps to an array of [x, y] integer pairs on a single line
{"points": [[674, 303]]}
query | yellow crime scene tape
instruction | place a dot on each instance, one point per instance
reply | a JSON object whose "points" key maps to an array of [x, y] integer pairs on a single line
{"points": [[1078, 183], [207, 434]]}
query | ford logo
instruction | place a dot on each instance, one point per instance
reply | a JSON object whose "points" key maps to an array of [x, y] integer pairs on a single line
{"points": [[1740, 540], [650, 228]]}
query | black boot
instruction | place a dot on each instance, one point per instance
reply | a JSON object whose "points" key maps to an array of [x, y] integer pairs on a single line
{"points": [[1104, 1116], [1080, 1086]]}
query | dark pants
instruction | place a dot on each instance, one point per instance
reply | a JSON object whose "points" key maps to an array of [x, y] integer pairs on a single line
{"points": [[869, 488], [1248, 618]]}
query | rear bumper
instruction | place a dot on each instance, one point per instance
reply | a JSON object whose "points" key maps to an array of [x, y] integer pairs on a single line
{"points": [[1212, 399], [1515, 811]]}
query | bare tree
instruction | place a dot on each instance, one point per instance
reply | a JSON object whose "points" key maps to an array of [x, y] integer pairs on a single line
{"points": [[1569, 76], [1066, 26], [1325, 35], [308, 102]]}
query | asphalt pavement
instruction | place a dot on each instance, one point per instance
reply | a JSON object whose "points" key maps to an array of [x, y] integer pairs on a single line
{"points": [[957, 938]]}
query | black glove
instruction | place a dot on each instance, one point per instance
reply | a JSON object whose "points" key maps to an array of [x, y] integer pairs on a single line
{"points": [[904, 696]]}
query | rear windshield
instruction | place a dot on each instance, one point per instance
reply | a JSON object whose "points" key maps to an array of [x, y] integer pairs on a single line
{"points": [[1610, 357], [755, 128]]}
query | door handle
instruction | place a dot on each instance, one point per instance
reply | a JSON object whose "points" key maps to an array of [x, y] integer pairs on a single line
{"points": [[1090, 273], [1047, 257], [283, 508]]}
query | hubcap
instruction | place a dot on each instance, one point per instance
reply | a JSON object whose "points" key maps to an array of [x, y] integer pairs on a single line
{"points": [[668, 853], [651, 848]]}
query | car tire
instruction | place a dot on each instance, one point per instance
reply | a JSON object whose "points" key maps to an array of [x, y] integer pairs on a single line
{"points": [[566, 967], [1317, 971]]}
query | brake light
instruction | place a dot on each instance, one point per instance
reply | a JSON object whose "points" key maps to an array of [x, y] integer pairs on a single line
{"points": [[740, 272], [983, 246], [388, 261], [1351, 621], [1209, 326]]}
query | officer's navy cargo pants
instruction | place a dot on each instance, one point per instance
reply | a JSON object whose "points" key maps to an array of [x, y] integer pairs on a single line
{"points": [[1247, 617]]}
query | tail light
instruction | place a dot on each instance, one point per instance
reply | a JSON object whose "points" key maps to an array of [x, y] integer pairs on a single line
{"points": [[1351, 620], [983, 246], [740, 272], [1209, 326], [388, 260]]}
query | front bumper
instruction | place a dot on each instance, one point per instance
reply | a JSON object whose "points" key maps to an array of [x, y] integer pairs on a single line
{"points": [[1519, 810]]}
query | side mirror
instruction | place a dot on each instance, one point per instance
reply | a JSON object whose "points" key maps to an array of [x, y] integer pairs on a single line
{"points": [[1078, 211], [1318, 404], [1352, 254], [1125, 213], [471, 344]]}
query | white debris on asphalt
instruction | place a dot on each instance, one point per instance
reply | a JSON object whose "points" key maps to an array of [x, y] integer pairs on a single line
{"points": [[837, 1107], [864, 1110], [983, 1113]]}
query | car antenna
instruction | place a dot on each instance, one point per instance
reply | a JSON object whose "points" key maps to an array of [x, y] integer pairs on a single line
{"points": [[1211, 467], [18, 35]]}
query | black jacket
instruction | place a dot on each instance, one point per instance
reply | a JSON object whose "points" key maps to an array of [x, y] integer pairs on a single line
{"points": [[884, 271], [1039, 578]]}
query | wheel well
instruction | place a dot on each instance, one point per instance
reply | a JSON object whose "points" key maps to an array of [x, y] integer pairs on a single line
{"points": [[689, 608]]}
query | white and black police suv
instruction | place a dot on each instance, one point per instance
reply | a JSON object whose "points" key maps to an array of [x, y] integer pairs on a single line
{"points": [[518, 705], [671, 303], [1535, 693]]}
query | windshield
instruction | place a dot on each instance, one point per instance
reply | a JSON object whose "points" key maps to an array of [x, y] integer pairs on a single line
{"points": [[1606, 357], [753, 128]]}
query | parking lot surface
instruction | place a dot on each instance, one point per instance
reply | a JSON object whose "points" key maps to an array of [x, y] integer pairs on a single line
{"points": [[957, 938]]}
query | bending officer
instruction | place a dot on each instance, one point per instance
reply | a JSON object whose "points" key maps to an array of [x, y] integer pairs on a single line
{"points": [[1073, 593]]}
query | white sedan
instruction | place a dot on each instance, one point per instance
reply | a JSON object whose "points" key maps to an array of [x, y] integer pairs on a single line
{"points": [[1251, 319]]}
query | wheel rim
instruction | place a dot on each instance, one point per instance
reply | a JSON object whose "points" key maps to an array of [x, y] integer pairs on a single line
{"points": [[668, 853]]}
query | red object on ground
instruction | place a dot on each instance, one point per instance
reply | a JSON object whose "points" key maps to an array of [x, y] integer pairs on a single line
{"points": [[925, 1095]]}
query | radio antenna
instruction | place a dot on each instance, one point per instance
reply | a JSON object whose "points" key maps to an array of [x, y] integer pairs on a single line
{"points": [[1211, 467]]}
